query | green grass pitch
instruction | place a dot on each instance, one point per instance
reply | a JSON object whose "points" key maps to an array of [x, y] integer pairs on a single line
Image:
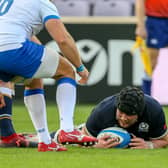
{"points": [[75, 157]]}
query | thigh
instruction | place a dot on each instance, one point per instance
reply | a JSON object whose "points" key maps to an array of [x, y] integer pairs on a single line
{"points": [[65, 69], [49, 64], [35, 84]]}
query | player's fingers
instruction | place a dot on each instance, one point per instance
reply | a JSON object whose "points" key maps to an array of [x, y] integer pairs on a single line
{"points": [[112, 144], [137, 147], [132, 135], [84, 74], [134, 144], [105, 137], [138, 140], [82, 81]]}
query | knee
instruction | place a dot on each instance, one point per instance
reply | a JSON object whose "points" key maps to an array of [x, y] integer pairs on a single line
{"points": [[65, 69], [35, 84], [69, 72]]}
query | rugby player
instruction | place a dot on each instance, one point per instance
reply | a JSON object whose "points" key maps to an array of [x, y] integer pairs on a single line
{"points": [[22, 60]]}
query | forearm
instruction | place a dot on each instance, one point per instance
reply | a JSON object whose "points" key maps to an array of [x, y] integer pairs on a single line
{"points": [[158, 143], [35, 39], [70, 51], [140, 12], [64, 40]]}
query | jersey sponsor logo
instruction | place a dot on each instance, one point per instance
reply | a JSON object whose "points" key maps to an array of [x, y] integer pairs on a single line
{"points": [[143, 127], [5, 6]]}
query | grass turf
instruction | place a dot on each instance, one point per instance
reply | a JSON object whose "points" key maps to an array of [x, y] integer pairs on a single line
{"points": [[75, 157]]}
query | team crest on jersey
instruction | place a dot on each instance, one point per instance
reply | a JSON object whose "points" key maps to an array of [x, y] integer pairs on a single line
{"points": [[143, 127]]}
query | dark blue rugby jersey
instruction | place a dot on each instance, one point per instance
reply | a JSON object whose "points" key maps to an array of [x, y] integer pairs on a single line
{"points": [[151, 124]]}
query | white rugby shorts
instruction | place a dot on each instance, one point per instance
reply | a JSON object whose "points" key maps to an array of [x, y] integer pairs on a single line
{"points": [[49, 64]]}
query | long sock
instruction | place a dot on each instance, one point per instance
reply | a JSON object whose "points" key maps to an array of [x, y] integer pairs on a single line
{"points": [[6, 127], [35, 103], [66, 100], [146, 84]]}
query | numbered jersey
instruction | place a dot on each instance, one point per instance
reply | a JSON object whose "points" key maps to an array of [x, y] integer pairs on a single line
{"points": [[20, 19]]}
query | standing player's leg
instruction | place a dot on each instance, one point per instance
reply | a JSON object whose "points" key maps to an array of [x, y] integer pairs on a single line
{"points": [[65, 97], [66, 101], [35, 103], [147, 80], [8, 136]]}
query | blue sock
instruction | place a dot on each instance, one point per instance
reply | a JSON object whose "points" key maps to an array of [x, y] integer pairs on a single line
{"points": [[146, 86], [6, 126]]}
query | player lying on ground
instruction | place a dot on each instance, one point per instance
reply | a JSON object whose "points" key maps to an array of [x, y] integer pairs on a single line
{"points": [[141, 115]]}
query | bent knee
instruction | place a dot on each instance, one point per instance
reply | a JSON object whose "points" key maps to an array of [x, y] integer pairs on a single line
{"points": [[68, 72], [65, 69]]}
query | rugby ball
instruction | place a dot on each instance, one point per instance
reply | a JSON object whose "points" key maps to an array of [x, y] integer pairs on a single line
{"points": [[122, 135]]}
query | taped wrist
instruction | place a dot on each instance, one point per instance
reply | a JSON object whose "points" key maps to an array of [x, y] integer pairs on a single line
{"points": [[80, 68], [150, 145]]}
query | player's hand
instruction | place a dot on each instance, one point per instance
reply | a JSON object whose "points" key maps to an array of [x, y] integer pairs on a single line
{"points": [[138, 143], [141, 31], [106, 142], [2, 101], [84, 76]]}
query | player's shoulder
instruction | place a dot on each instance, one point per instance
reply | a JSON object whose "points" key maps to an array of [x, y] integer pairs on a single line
{"points": [[108, 101], [26, 5], [47, 3], [48, 8], [107, 105], [152, 106], [151, 101]]}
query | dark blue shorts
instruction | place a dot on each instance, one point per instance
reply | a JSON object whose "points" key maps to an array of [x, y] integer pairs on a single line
{"points": [[157, 30]]}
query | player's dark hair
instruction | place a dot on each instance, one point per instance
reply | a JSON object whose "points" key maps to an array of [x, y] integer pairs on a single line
{"points": [[130, 101]]}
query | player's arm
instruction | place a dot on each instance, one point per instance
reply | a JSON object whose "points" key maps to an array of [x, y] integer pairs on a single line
{"points": [[35, 39], [160, 143], [140, 15], [103, 142], [64, 40], [67, 46], [139, 143]]}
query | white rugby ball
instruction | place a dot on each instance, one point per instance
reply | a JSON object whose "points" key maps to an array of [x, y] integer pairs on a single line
{"points": [[122, 135]]}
